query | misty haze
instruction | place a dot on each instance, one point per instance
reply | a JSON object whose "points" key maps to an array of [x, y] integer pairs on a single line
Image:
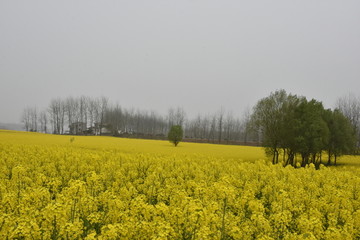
{"points": [[193, 119]]}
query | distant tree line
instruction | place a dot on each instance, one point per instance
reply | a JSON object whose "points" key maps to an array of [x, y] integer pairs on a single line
{"points": [[287, 125], [291, 126], [98, 116]]}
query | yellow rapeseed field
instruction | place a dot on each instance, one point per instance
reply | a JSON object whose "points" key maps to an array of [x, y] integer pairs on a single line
{"points": [[131, 145], [65, 187]]}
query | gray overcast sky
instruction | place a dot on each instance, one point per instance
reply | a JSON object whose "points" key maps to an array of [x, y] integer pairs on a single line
{"points": [[198, 54]]}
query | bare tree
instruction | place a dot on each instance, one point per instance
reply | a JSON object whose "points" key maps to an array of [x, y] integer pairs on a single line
{"points": [[193, 127], [237, 130], [43, 119], [30, 119], [114, 118], [26, 118], [92, 112], [220, 123], [57, 115], [34, 120], [205, 125], [228, 126], [212, 130], [70, 105], [349, 105], [103, 105], [176, 116], [83, 109], [245, 124]]}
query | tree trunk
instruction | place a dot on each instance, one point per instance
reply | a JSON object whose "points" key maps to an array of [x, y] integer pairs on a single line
{"points": [[329, 158]]}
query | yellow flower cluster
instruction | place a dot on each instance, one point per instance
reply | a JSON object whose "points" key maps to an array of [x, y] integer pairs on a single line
{"points": [[75, 190]]}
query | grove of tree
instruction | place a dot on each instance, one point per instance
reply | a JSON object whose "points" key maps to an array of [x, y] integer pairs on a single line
{"points": [[293, 126]]}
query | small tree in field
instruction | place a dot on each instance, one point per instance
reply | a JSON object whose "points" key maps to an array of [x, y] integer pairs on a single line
{"points": [[175, 134]]}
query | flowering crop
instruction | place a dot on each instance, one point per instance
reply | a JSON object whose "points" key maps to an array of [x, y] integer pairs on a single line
{"points": [[110, 188]]}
